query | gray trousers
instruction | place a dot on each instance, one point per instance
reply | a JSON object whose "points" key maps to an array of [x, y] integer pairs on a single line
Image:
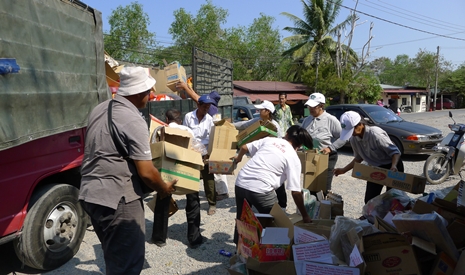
{"points": [[263, 203]]}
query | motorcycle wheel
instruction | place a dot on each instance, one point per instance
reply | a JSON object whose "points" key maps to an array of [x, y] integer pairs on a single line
{"points": [[432, 169], [408, 110]]}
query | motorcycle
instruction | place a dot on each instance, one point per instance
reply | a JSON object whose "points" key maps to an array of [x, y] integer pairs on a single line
{"points": [[405, 109], [449, 156]]}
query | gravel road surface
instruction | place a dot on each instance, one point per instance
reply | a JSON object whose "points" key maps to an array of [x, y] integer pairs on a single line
{"points": [[177, 258]]}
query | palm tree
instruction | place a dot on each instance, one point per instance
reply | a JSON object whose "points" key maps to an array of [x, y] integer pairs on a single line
{"points": [[312, 40]]}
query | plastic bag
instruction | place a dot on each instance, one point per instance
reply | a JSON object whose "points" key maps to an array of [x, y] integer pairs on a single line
{"points": [[338, 241], [199, 147], [309, 203], [380, 205], [221, 184]]}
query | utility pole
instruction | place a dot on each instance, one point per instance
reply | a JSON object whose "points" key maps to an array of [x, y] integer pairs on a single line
{"points": [[317, 64], [436, 81]]}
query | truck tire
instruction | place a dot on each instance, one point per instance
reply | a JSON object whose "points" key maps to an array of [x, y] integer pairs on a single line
{"points": [[54, 228]]}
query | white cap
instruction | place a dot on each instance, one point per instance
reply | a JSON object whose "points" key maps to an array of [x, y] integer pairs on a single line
{"points": [[266, 105], [349, 120], [134, 80], [315, 99]]}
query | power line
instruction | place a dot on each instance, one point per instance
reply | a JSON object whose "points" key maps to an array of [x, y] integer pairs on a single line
{"points": [[397, 14], [423, 16], [398, 24]]}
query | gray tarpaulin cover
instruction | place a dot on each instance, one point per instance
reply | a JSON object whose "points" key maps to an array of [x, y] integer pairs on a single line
{"points": [[58, 46]]}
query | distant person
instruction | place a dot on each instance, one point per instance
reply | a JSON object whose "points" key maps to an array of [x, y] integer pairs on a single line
{"points": [[325, 130], [372, 145], [111, 186], [283, 116]]}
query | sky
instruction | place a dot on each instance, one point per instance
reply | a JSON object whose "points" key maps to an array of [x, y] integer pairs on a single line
{"points": [[399, 26]]}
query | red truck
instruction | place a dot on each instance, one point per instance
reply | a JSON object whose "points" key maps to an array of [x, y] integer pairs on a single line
{"points": [[52, 74]]}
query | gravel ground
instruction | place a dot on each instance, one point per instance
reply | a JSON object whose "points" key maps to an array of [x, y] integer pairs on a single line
{"points": [[177, 258]]}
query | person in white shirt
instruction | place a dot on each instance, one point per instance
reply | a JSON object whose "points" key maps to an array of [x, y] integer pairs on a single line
{"points": [[200, 122], [267, 110], [274, 160]]}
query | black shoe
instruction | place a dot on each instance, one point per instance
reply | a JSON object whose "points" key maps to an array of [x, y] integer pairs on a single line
{"points": [[197, 243], [160, 244]]}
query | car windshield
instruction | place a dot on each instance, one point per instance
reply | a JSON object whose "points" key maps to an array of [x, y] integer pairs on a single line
{"points": [[382, 115]]}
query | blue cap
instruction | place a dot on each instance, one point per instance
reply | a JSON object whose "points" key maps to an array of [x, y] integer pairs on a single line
{"points": [[213, 110], [206, 99], [215, 96]]}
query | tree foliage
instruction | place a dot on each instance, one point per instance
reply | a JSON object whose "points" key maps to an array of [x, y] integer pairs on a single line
{"points": [[312, 40], [129, 38]]}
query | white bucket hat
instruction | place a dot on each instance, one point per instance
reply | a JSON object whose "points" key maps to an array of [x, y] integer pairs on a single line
{"points": [[266, 105], [315, 99], [134, 80], [349, 120]]}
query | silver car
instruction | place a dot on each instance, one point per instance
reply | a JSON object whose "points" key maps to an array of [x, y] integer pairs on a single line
{"points": [[410, 137]]}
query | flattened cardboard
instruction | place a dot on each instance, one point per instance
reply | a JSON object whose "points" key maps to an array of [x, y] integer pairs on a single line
{"points": [[398, 180], [256, 131], [314, 169], [313, 252], [429, 227]]}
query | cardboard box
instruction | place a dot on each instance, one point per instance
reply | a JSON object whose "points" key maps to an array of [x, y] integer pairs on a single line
{"points": [[314, 169], [256, 131], [270, 268], [173, 158], [460, 267], [318, 230], [174, 73], [443, 265], [160, 86], [311, 268], [421, 207], [388, 253], [255, 242], [222, 147], [398, 180], [429, 227]]}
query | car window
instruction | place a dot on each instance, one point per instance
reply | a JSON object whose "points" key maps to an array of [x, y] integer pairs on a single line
{"points": [[337, 112], [381, 115]]}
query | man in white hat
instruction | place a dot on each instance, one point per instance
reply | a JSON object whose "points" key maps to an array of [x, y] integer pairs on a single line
{"points": [[114, 170], [325, 130], [371, 144]]}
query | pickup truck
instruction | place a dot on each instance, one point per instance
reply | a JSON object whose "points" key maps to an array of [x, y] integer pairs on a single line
{"points": [[52, 74]]}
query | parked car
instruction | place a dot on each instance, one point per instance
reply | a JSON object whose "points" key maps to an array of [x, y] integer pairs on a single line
{"points": [[245, 112], [410, 137], [446, 104]]}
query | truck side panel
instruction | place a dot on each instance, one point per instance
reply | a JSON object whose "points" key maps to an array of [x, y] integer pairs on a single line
{"points": [[23, 167]]}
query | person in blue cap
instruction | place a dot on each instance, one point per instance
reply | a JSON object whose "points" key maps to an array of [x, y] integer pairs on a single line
{"points": [[200, 122]]}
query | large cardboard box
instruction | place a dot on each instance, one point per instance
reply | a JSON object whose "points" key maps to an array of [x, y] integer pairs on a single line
{"points": [[174, 73], [173, 158], [398, 180], [222, 147], [160, 86], [265, 244], [388, 253], [314, 169], [429, 227], [256, 131]]}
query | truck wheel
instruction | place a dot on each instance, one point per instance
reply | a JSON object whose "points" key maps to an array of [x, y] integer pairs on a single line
{"points": [[53, 229]]}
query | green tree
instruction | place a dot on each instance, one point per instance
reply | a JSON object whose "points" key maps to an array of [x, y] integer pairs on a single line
{"points": [[454, 81], [203, 30], [312, 40], [129, 38]]}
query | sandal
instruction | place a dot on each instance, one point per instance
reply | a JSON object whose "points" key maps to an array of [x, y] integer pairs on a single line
{"points": [[211, 210]]}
